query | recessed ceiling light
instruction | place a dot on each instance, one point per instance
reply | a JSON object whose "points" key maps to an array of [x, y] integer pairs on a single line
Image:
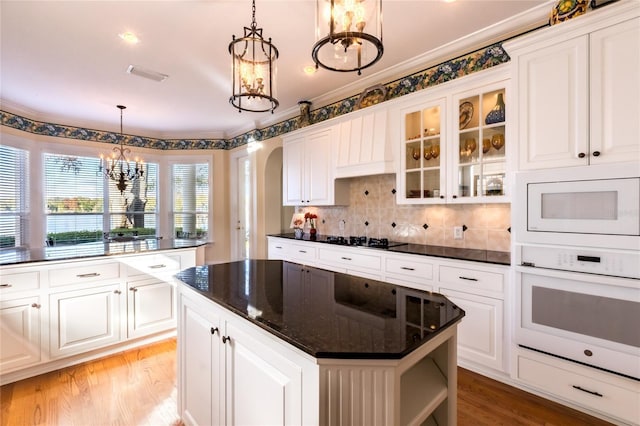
{"points": [[129, 37], [310, 69]]}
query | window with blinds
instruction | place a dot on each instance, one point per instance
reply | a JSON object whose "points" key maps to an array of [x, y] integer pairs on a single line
{"points": [[82, 206], [134, 212], [14, 201], [190, 215]]}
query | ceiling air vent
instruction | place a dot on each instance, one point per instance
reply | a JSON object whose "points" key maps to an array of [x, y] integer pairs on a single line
{"points": [[151, 75]]}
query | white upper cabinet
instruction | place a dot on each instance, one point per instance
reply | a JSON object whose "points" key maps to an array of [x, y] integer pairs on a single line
{"points": [[364, 147], [615, 93], [308, 169], [578, 90], [454, 142]]}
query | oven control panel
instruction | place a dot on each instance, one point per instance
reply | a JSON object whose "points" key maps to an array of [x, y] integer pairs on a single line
{"points": [[624, 264]]}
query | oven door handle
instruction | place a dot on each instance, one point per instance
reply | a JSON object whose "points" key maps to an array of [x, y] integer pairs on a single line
{"points": [[587, 391]]}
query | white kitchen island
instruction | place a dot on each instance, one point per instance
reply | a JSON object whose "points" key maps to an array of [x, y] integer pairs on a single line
{"points": [[273, 342]]}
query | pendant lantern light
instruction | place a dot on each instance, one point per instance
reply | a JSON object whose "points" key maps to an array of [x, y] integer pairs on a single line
{"points": [[348, 34], [253, 70]]}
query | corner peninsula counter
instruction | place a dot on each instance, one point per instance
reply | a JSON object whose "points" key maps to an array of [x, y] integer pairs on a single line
{"points": [[275, 342]]}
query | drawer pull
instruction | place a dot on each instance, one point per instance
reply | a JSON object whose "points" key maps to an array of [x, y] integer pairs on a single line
{"points": [[587, 391], [6, 285], [117, 292], [345, 258], [36, 305], [406, 268], [161, 265], [279, 247], [302, 251], [468, 279], [92, 274]]}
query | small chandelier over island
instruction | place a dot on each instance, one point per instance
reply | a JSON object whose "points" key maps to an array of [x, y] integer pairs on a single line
{"points": [[117, 166], [354, 41], [253, 68]]}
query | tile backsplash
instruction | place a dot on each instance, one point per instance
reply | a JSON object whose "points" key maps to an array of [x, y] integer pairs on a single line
{"points": [[373, 212]]}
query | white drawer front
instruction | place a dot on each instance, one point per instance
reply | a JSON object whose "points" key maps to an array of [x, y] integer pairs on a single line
{"points": [[350, 259], [409, 268], [19, 281], [278, 250], [84, 273], [472, 279], [302, 253], [584, 389], [154, 264]]}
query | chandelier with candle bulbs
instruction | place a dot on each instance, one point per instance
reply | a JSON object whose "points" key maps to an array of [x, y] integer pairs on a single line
{"points": [[253, 70], [354, 39], [117, 166]]}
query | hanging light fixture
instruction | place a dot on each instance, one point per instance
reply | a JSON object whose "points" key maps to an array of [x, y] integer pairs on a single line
{"points": [[253, 68], [117, 167], [354, 41]]}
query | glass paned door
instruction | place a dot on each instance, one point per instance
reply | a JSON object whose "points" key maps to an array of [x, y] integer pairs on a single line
{"points": [[423, 159], [481, 146]]}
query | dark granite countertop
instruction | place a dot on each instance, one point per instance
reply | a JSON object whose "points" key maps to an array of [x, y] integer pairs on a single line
{"points": [[88, 250], [326, 314], [475, 255]]}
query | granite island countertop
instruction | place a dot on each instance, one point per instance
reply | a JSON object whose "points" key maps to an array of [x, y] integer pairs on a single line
{"points": [[475, 255], [326, 314], [15, 256]]}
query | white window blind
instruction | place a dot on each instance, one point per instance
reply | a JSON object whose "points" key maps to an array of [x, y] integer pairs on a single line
{"points": [[191, 200], [14, 201], [74, 199], [135, 211], [77, 194]]}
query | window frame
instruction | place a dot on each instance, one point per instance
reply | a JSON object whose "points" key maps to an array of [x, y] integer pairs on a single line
{"points": [[185, 160]]}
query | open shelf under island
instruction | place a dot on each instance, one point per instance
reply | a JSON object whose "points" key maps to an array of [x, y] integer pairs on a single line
{"points": [[275, 342]]}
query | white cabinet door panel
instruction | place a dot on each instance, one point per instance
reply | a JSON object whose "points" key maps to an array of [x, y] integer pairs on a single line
{"points": [[151, 307], [83, 320], [615, 91], [253, 371], [19, 333], [554, 105], [480, 334]]}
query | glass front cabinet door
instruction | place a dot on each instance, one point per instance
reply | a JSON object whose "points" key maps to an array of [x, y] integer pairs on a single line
{"points": [[479, 163], [423, 153]]}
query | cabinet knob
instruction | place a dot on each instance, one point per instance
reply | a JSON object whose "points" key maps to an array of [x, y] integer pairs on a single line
{"points": [[455, 196], [36, 305], [442, 196], [581, 155], [133, 289], [117, 291], [226, 339], [596, 153], [214, 330]]}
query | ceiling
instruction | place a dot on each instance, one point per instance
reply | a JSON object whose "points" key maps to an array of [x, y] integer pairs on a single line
{"points": [[63, 61]]}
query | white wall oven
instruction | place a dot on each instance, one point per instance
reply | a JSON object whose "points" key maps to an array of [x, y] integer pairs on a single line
{"points": [[577, 257], [581, 305], [592, 206]]}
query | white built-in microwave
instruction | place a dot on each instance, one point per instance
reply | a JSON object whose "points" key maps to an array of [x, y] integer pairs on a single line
{"points": [[592, 206]]}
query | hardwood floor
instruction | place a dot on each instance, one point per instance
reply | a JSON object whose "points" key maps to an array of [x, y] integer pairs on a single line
{"points": [[138, 387]]}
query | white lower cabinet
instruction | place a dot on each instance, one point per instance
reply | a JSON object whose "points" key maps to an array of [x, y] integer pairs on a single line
{"points": [[600, 392], [151, 307], [55, 314], [480, 334], [83, 320], [19, 333], [230, 375]]}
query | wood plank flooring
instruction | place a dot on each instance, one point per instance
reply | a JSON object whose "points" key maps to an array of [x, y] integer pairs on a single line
{"points": [[138, 387]]}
